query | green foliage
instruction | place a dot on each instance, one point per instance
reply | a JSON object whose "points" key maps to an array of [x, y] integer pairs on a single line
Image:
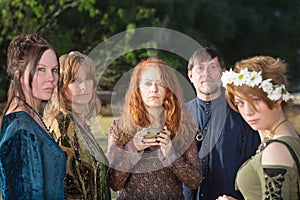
{"points": [[237, 28], [240, 28], [31, 16]]}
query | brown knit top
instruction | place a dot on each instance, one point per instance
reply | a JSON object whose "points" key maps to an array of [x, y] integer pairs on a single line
{"points": [[144, 175]]}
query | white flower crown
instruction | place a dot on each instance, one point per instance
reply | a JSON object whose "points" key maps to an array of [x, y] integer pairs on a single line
{"points": [[252, 79]]}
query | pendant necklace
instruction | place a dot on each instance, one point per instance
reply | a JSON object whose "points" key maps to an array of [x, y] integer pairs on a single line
{"points": [[50, 133], [269, 136]]}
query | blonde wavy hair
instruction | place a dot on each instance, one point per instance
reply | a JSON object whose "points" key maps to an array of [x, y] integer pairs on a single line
{"points": [[69, 66]]}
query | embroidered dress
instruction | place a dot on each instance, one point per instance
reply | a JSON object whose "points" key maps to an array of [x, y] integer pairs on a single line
{"points": [[86, 175], [32, 165], [255, 181]]}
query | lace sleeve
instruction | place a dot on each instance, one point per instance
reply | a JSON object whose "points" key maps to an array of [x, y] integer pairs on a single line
{"points": [[121, 159], [187, 167]]}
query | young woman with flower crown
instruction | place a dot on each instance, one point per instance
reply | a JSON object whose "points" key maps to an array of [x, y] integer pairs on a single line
{"points": [[256, 88]]}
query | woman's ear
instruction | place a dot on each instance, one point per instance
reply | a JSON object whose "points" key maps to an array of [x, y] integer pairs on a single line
{"points": [[190, 74], [278, 102], [16, 75]]}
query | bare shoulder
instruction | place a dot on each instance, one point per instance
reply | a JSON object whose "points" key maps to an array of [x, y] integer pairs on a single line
{"points": [[277, 154]]}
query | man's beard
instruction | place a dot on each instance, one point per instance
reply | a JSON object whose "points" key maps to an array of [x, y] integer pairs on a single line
{"points": [[209, 90]]}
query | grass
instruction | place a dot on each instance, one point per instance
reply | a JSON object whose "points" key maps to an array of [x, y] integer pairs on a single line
{"points": [[101, 137]]}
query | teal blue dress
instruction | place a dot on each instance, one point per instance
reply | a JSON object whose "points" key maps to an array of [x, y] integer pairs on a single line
{"points": [[32, 165]]}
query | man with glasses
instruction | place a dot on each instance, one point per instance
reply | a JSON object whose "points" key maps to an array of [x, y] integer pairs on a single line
{"points": [[226, 140]]}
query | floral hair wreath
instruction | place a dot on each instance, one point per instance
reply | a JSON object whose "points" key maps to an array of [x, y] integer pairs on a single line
{"points": [[252, 79]]}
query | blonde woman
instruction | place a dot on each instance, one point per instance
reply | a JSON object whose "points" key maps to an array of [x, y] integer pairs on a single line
{"points": [[71, 119]]}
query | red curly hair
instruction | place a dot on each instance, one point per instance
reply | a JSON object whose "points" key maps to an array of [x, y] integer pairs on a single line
{"points": [[135, 115]]}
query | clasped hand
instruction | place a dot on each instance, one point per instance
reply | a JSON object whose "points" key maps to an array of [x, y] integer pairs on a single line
{"points": [[161, 139]]}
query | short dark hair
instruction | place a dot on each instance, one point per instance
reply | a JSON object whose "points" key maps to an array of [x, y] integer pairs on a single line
{"points": [[203, 54], [213, 53]]}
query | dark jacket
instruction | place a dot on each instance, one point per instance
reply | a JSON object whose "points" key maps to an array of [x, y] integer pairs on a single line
{"points": [[228, 142]]}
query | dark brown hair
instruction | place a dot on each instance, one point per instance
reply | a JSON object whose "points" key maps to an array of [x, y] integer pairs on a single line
{"points": [[204, 54], [23, 51]]}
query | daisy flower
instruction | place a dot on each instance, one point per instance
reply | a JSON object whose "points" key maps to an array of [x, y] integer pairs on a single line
{"points": [[227, 77], [276, 93], [266, 85], [286, 96], [241, 77], [254, 79]]}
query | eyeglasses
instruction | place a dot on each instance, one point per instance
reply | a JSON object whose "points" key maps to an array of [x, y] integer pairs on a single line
{"points": [[147, 84], [200, 68]]}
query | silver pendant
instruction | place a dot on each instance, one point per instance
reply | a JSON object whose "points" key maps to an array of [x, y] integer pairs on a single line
{"points": [[199, 137]]}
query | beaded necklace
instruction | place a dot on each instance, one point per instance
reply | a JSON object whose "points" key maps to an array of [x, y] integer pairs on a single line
{"points": [[50, 133]]}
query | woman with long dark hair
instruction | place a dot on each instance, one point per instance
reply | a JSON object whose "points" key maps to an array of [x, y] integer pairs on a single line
{"points": [[32, 165]]}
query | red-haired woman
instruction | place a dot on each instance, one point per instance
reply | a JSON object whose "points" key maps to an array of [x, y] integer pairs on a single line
{"points": [[145, 167]]}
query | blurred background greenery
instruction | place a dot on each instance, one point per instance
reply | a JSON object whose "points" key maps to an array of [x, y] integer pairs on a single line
{"points": [[237, 28]]}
